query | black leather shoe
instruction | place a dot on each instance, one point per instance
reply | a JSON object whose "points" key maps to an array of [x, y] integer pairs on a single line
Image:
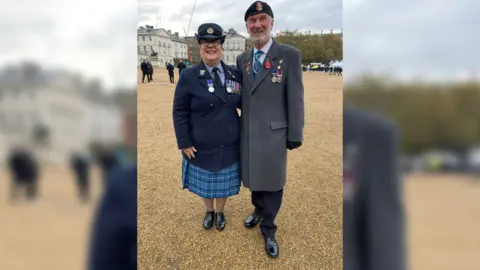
{"points": [[208, 220], [220, 221], [252, 220], [272, 248]]}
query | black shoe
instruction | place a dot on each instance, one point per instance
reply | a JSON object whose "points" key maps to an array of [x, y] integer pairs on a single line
{"points": [[252, 220], [208, 220], [220, 221], [272, 248]]}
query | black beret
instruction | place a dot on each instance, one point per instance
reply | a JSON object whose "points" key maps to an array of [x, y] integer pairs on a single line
{"points": [[210, 31], [257, 8]]}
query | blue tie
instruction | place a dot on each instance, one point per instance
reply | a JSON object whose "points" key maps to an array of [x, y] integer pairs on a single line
{"points": [[257, 64]]}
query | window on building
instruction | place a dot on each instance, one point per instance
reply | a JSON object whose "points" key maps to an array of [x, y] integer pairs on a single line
{"points": [[143, 38], [151, 48], [150, 38], [138, 48], [145, 48]]}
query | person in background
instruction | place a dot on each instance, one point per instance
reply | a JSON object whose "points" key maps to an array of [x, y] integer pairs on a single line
{"points": [[150, 71], [144, 68], [107, 160], [171, 75], [81, 169], [181, 66], [24, 173]]}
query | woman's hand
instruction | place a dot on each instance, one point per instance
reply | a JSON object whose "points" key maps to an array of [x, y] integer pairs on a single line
{"points": [[190, 152]]}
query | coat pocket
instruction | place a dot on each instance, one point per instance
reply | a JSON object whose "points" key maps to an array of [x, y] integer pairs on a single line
{"points": [[278, 124]]}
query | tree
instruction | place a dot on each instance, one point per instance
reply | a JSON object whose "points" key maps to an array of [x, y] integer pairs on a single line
{"points": [[314, 47]]}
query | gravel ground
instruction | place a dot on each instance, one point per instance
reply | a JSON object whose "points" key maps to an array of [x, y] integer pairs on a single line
{"points": [[170, 234]]}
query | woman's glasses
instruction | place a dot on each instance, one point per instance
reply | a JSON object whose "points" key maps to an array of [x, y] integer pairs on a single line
{"points": [[207, 43]]}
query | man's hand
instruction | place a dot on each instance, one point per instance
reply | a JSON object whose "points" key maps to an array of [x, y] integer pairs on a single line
{"points": [[293, 145], [190, 152]]}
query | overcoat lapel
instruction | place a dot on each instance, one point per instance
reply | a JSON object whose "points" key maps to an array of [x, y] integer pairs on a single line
{"points": [[269, 58]]}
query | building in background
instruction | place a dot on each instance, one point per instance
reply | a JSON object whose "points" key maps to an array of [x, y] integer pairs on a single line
{"points": [[193, 49], [234, 45], [155, 45], [54, 113], [180, 48]]}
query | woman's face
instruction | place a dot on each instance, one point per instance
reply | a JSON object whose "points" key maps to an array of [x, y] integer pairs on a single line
{"points": [[211, 51]]}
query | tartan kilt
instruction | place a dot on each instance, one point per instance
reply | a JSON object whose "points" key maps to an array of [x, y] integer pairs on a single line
{"points": [[210, 185]]}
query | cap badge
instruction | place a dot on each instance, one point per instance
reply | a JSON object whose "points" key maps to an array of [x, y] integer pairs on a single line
{"points": [[210, 30], [259, 6]]}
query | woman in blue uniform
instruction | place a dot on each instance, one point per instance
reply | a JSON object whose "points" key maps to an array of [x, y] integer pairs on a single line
{"points": [[207, 126]]}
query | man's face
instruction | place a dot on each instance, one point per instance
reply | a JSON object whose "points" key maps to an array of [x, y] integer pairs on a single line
{"points": [[259, 27], [211, 50]]}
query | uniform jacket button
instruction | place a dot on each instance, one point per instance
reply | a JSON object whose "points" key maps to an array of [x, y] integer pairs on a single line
{"points": [[211, 104], [221, 146], [225, 105]]}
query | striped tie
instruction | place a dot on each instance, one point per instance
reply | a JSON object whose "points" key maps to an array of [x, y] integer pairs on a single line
{"points": [[257, 64]]}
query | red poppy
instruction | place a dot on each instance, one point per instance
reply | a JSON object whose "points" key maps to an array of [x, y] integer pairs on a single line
{"points": [[267, 64]]}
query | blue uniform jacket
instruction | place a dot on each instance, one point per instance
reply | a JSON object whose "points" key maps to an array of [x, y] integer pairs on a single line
{"points": [[114, 235], [208, 121]]}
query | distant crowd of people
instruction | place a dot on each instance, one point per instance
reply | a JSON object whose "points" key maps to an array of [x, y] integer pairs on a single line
{"points": [[24, 168], [147, 70], [330, 70]]}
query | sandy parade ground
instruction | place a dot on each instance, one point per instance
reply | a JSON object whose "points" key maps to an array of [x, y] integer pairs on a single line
{"points": [[443, 212]]}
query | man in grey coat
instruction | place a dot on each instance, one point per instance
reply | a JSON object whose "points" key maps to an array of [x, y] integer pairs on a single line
{"points": [[373, 215], [272, 119]]}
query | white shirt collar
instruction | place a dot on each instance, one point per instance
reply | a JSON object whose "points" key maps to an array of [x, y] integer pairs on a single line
{"points": [[265, 48]]}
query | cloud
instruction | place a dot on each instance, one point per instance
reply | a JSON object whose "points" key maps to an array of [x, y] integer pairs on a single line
{"points": [[303, 15], [94, 38], [412, 38]]}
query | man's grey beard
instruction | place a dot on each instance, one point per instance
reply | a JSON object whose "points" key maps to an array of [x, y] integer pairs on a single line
{"points": [[263, 39]]}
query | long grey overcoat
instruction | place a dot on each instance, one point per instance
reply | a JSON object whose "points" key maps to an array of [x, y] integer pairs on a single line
{"points": [[272, 113]]}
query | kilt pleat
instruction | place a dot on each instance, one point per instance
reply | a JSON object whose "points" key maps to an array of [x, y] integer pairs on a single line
{"points": [[209, 185]]}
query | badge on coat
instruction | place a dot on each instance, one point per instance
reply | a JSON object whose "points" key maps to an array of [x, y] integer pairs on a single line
{"points": [[248, 66], [229, 85], [210, 86], [236, 88], [277, 74], [350, 159]]}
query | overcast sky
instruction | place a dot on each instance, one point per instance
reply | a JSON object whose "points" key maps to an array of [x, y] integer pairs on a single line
{"points": [[175, 15], [432, 39], [428, 38], [95, 38]]}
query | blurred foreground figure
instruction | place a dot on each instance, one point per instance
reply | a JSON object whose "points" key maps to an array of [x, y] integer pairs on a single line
{"points": [[373, 229], [81, 170], [114, 231], [24, 173]]}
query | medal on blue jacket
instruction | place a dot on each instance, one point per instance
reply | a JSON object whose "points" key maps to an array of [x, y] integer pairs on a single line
{"points": [[210, 86], [229, 86]]}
